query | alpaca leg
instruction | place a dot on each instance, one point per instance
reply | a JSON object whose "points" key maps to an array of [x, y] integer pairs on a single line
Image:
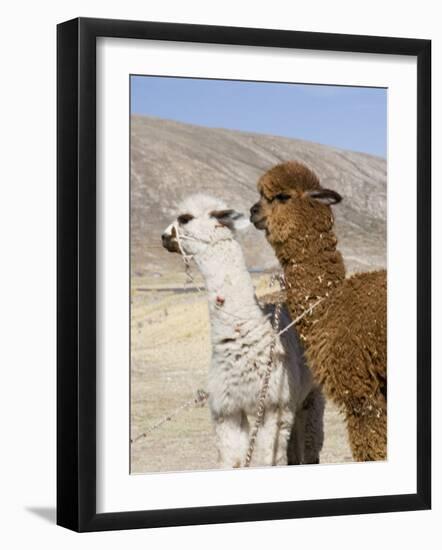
{"points": [[273, 438], [232, 438], [314, 426], [296, 445], [368, 435]]}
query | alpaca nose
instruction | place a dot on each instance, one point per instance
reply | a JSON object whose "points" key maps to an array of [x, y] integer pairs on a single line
{"points": [[169, 242], [254, 209], [166, 240]]}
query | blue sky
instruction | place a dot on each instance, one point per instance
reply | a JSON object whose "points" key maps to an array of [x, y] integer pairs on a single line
{"points": [[346, 117]]}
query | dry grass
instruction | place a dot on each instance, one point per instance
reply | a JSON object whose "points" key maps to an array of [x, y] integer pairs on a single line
{"points": [[170, 359]]}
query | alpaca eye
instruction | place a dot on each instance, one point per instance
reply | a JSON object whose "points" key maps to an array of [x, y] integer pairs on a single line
{"points": [[185, 218], [282, 197]]}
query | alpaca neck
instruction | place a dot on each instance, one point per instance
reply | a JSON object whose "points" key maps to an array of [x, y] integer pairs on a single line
{"points": [[229, 286], [313, 267]]}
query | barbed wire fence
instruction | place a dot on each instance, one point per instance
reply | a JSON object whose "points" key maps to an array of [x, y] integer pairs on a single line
{"points": [[200, 399]]}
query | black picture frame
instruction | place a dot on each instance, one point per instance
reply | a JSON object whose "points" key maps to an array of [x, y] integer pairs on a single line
{"points": [[77, 287]]}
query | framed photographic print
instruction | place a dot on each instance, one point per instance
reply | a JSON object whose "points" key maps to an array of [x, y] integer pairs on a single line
{"points": [[243, 264]]}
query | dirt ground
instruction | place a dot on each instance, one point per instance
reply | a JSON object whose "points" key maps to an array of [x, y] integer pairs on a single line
{"points": [[170, 355]]}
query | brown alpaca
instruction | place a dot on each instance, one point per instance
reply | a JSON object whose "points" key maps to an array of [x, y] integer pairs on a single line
{"points": [[345, 335]]}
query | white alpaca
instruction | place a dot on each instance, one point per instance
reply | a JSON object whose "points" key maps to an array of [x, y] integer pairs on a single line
{"points": [[241, 336]]}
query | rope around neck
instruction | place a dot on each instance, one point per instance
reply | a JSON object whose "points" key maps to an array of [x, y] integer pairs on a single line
{"points": [[187, 258], [266, 381], [264, 389]]}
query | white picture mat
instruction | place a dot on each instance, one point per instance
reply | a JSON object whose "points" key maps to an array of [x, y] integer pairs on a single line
{"points": [[117, 490]]}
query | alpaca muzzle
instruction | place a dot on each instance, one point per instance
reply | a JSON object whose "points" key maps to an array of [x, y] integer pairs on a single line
{"points": [[170, 242], [257, 217]]}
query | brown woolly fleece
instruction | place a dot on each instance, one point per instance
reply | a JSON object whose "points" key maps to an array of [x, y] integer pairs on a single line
{"points": [[345, 335]]}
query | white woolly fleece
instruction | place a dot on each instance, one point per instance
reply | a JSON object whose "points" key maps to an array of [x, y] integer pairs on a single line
{"points": [[241, 335]]}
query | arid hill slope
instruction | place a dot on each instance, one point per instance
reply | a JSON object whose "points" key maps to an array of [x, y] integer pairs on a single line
{"points": [[170, 160]]}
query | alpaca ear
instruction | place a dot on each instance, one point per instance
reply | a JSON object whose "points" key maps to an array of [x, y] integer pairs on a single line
{"points": [[325, 196], [236, 221]]}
